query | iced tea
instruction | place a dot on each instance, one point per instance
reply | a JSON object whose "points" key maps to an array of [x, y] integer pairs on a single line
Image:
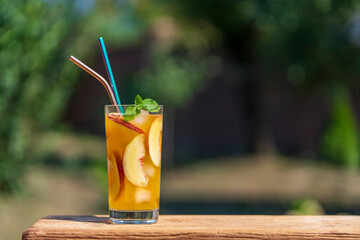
{"points": [[134, 164]]}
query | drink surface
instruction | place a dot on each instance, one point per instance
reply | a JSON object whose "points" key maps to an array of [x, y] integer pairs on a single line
{"points": [[134, 161]]}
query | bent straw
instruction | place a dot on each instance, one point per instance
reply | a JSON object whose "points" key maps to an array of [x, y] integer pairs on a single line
{"points": [[97, 76], [109, 71]]}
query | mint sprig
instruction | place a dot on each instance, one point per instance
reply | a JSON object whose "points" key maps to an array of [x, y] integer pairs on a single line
{"points": [[147, 104]]}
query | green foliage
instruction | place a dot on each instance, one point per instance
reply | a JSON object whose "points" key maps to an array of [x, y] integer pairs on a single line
{"points": [[173, 80], [34, 83], [312, 44], [315, 36], [306, 206], [340, 142], [36, 39]]}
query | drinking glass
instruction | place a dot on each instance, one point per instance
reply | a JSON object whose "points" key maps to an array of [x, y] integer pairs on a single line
{"points": [[134, 164]]}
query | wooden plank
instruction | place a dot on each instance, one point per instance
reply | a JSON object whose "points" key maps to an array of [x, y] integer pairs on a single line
{"points": [[199, 227]]}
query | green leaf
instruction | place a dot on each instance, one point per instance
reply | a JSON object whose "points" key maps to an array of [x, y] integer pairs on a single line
{"points": [[146, 104], [131, 112], [138, 100], [150, 105]]}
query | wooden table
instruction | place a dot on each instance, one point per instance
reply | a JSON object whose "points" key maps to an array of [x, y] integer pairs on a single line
{"points": [[199, 227]]}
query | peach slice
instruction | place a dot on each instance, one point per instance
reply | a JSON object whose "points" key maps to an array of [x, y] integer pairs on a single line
{"points": [[113, 178], [116, 117], [133, 161], [155, 141]]}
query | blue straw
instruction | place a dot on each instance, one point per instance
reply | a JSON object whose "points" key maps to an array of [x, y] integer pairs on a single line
{"points": [[109, 72]]}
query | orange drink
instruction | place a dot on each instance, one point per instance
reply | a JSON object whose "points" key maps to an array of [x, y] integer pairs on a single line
{"points": [[134, 164]]}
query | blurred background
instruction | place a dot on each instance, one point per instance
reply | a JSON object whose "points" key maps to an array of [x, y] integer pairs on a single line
{"points": [[260, 101]]}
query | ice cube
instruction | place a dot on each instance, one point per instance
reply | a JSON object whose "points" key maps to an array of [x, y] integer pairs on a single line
{"points": [[140, 119], [142, 195], [149, 170]]}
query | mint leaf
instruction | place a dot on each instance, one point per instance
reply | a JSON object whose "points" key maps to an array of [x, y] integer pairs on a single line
{"points": [[131, 112], [138, 100], [150, 105], [140, 104]]}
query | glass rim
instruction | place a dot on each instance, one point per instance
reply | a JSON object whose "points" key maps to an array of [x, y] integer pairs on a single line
{"points": [[125, 105]]}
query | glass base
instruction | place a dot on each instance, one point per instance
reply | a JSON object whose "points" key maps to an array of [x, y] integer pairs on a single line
{"points": [[134, 217]]}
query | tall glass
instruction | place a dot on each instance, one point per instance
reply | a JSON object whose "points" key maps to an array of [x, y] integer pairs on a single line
{"points": [[134, 165]]}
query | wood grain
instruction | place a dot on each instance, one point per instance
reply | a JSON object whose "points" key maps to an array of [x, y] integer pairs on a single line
{"points": [[199, 227]]}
